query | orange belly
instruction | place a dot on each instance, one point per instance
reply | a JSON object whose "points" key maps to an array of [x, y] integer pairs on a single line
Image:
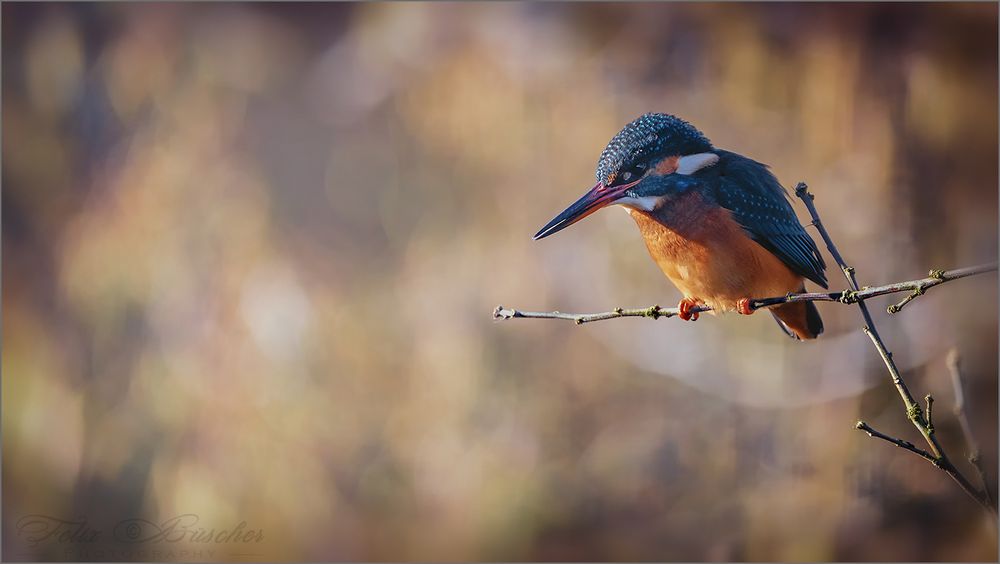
{"points": [[708, 256]]}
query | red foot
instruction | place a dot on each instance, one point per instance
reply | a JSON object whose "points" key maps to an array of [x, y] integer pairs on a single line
{"points": [[685, 306], [743, 306]]}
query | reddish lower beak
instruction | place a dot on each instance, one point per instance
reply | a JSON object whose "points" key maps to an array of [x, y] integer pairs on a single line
{"points": [[598, 197]]}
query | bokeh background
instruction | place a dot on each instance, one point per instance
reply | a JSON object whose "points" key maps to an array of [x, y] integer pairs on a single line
{"points": [[250, 253]]}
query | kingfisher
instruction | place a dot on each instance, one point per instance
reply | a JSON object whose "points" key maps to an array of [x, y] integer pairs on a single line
{"points": [[719, 225]]}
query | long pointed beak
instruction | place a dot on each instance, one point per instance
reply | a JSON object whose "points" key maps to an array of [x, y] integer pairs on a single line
{"points": [[598, 197]]}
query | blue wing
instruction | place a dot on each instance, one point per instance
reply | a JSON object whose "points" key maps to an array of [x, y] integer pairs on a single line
{"points": [[760, 205]]}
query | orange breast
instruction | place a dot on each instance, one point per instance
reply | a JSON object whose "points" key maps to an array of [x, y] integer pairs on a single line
{"points": [[708, 256]]}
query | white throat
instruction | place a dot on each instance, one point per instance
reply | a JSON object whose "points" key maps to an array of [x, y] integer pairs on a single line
{"points": [[644, 203]]}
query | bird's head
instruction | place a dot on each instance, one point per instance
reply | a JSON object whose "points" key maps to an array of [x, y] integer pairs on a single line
{"points": [[644, 164]]}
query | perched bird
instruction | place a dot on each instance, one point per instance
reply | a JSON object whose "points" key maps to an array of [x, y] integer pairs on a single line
{"points": [[718, 224]]}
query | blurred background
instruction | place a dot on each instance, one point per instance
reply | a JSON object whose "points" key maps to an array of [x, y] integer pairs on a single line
{"points": [[250, 253]]}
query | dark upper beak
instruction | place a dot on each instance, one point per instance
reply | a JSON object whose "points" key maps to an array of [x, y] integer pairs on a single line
{"points": [[598, 197]]}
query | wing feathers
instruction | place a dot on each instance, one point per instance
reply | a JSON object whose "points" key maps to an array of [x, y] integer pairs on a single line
{"points": [[760, 205]]}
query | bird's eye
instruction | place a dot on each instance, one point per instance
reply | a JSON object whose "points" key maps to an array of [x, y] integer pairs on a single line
{"points": [[632, 174]]}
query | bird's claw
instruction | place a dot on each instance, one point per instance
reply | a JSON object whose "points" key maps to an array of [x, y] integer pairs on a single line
{"points": [[684, 309], [743, 306]]}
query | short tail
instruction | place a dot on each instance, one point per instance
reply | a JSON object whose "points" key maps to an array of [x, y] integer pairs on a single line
{"points": [[799, 321]]}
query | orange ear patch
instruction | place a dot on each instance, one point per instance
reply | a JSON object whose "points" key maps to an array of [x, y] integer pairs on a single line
{"points": [[667, 165]]}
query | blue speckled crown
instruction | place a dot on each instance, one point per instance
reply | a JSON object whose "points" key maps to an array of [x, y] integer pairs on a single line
{"points": [[650, 135]]}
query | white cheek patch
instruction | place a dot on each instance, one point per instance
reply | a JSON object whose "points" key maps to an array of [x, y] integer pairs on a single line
{"points": [[691, 164]]}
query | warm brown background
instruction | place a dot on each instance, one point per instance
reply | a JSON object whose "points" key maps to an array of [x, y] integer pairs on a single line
{"points": [[250, 254]]}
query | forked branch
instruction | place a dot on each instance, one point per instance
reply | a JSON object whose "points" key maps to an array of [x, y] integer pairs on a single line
{"points": [[913, 412]]}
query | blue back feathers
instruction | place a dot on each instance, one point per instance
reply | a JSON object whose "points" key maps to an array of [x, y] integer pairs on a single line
{"points": [[760, 205]]}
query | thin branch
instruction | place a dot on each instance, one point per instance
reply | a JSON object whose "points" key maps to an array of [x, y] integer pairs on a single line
{"points": [[954, 368], [907, 445], [850, 296], [653, 312], [930, 418], [913, 411]]}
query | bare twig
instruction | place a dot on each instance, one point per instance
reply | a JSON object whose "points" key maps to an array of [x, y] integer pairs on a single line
{"points": [[907, 445], [930, 403], [654, 312], [913, 411], [961, 413], [849, 296]]}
